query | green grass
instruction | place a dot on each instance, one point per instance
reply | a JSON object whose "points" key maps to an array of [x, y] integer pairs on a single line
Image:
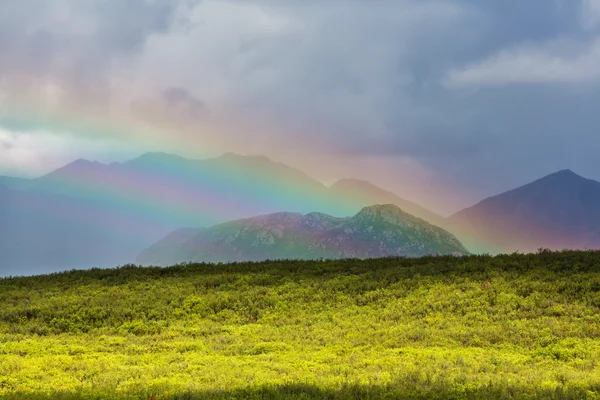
{"points": [[514, 326]]}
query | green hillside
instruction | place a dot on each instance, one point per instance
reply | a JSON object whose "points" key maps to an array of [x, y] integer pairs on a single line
{"points": [[376, 231], [514, 326]]}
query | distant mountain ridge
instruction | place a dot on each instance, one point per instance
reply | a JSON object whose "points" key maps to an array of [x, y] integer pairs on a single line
{"points": [[558, 211], [243, 178], [376, 231]]}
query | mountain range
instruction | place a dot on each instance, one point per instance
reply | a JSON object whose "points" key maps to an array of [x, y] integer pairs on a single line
{"points": [[376, 231], [215, 190], [89, 214]]}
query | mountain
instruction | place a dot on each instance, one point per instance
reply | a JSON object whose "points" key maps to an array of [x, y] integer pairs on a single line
{"points": [[559, 211], [376, 231]]}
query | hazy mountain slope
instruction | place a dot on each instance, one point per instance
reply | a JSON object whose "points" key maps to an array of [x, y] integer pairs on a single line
{"points": [[14, 183], [42, 233], [561, 210], [375, 231]]}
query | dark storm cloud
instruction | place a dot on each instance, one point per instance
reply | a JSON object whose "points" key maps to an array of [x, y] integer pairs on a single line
{"points": [[525, 105], [373, 79]]}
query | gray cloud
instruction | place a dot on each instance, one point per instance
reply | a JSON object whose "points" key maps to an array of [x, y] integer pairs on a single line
{"points": [[548, 63], [73, 44], [181, 100]]}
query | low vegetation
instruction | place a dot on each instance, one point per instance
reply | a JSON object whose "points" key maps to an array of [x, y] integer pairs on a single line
{"points": [[510, 326]]}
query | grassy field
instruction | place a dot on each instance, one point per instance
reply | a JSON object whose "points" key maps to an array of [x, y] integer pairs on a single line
{"points": [[514, 326]]}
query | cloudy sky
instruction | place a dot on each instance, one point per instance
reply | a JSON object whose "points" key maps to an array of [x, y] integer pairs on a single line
{"points": [[443, 102]]}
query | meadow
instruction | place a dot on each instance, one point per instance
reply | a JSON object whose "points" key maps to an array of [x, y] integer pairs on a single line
{"points": [[509, 326]]}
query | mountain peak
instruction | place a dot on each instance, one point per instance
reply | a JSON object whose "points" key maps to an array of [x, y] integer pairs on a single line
{"points": [[78, 166], [82, 162], [386, 212], [559, 179], [379, 208], [565, 173]]}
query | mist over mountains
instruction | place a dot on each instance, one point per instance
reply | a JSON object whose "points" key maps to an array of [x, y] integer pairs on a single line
{"points": [[88, 214]]}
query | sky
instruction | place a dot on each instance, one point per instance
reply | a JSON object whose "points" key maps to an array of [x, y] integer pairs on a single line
{"points": [[444, 102]]}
